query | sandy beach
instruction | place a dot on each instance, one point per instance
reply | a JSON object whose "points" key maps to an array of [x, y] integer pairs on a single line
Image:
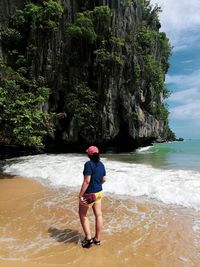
{"points": [[39, 227]]}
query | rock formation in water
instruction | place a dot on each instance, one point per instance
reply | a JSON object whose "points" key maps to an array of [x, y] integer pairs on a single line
{"points": [[103, 62]]}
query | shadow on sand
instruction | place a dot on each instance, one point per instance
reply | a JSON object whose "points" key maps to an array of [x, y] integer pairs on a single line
{"points": [[65, 235]]}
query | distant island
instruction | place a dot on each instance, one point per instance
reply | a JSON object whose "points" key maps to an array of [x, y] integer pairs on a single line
{"points": [[160, 140], [180, 139]]}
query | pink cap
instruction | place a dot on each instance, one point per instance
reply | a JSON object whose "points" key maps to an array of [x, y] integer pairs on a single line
{"points": [[91, 150]]}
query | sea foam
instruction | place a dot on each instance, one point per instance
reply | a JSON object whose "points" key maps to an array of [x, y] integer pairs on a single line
{"points": [[180, 187]]}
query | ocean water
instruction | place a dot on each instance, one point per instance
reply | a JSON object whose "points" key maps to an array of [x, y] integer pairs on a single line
{"points": [[168, 173], [171, 155]]}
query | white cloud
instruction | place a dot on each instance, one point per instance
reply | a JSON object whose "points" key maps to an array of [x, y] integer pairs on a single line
{"points": [[187, 61], [180, 20], [189, 111], [184, 81], [185, 103], [187, 96]]}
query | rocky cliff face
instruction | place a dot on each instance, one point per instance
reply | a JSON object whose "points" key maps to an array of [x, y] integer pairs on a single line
{"points": [[114, 69]]}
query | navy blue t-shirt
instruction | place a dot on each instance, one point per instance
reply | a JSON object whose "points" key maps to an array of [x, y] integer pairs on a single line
{"points": [[96, 171]]}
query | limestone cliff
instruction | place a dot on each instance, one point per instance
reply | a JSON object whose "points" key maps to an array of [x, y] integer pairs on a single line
{"points": [[105, 69]]}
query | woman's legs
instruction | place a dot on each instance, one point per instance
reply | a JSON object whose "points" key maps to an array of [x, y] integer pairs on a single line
{"points": [[84, 221], [98, 219]]}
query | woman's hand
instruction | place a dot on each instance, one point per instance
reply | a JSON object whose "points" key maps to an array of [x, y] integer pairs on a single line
{"points": [[85, 185], [82, 199]]}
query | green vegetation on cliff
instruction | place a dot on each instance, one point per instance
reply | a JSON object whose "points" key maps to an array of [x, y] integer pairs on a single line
{"points": [[22, 93], [95, 53], [81, 104], [21, 119]]}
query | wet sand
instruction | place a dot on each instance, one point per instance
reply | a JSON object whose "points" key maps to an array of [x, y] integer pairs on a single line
{"points": [[39, 227]]}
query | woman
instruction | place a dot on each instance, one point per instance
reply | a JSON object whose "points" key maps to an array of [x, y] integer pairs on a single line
{"points": [[91, 194]]}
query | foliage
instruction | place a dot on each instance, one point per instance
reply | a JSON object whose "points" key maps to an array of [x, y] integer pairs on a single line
{"points": [[153, 67], [117, 41], [21, 99], [103, 57], [83, 28], [90, 24], [149, 46], [101, 17], [21, 117], [81, 103], [159, 110], [10, 37], [153, 72], [97, 50], [36, 19], [137, 72], [165, 51], [169, 134], [150, 14], [166, 92], [162, 112], [126, 3], [42, 16], [146, 38], [153, 50], [93, 27]]}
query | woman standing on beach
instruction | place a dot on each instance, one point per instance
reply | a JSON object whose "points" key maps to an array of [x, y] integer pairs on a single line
{"points": [[91, 194]]}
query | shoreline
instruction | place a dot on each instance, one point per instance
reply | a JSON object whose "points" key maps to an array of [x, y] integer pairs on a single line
{"points": [[39, 227], [13, 151]]}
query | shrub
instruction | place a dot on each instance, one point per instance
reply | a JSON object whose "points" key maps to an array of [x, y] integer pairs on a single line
{"points": [[81, 103], [83, 28], [21, 119]]}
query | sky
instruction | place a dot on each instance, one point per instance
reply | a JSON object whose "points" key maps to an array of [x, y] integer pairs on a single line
{"points": [[180, 19]]}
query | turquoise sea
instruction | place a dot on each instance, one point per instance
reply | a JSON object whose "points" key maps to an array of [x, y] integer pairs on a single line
{"points": [[166, 172], [184, 155]]}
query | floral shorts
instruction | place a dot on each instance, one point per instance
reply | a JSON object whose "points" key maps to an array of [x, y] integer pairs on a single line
{"points": [[90, 199]]}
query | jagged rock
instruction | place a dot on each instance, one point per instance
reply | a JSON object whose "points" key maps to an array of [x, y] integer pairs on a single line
{"points": [[123, 120]]}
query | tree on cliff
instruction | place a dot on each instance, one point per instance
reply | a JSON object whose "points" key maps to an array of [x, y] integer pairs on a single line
{"points": [[83, 76]]}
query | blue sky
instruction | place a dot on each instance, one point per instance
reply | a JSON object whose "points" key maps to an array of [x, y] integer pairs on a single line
{"points": [[180, 19]]}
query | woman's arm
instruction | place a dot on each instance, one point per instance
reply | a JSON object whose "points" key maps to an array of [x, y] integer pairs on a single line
{"points": [[103, 179], [85, 184]]}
